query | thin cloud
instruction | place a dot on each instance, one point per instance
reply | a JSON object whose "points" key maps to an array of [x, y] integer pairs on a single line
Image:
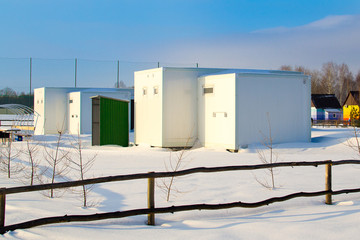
{"points": [[329, 22], [333, 38], [334, 22]]}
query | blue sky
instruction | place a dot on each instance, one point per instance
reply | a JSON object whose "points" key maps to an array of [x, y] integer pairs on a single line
{"points": [[215, 33]]}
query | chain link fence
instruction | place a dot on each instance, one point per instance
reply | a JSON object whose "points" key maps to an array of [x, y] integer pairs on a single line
{"points": [[24, 74]]}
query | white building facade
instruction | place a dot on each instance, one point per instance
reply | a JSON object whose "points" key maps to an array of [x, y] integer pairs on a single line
{"points": [[69, 109], [226, 108]]}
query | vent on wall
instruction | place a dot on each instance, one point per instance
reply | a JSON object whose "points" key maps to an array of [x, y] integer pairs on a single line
{"points": [[207, 90], [224, 114]]}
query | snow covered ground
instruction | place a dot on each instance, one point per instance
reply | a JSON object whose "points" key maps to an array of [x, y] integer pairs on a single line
{"points": [[301, 218]]}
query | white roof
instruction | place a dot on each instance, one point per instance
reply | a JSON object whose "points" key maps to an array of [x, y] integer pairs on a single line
{"points": [[106, 90], [254, 71], [332, 110]]}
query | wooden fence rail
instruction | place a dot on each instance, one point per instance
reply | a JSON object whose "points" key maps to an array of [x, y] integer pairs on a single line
{"points": [[151, 210], [328, 123], [171, 174]]}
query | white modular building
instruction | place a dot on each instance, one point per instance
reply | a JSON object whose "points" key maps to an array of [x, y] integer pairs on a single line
{"points": [[227, 108], [241, 107], [53, 106], [166, 106], [80, 107]]}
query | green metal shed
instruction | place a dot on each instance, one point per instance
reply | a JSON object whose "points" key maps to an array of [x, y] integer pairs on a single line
{"points": [[110, 121]]}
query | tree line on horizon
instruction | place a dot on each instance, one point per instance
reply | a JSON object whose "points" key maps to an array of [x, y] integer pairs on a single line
{"points": [[332, 78], [9, 96]]}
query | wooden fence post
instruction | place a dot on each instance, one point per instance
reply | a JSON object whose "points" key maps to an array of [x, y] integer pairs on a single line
{"points": [[151, 200], [328, 185], [2, 207]]}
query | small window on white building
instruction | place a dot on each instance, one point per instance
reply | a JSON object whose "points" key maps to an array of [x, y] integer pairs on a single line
{"points": [[144, 91], [156, 90], [70, 101], [207, 90]]}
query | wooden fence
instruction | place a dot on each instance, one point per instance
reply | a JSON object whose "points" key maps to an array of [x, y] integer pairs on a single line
{"points": [[328, 123], [151, 210]]}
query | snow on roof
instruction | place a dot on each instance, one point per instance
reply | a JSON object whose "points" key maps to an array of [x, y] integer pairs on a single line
{"points": [[87, 89], [332, 110], [105, 90], [253, 71], [116, 99]]}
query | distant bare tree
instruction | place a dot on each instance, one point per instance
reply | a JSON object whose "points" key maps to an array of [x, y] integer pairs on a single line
{"points": [[286, 68], [302, 69], [345, 82], [329, 77], [9, 92], [316, 85], [121, 84], [357, 82]]}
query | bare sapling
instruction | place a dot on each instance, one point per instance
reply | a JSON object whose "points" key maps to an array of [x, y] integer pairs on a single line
{"points": [[267, 157], [57, 160], [31, 153], [174, 164], [354, 142], [82, 165], [8, 153]]}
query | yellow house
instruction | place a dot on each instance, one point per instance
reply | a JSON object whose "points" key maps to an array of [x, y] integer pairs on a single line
{"points": [[351, 102]]}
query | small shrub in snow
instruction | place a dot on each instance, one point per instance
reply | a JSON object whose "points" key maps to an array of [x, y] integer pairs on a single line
{"points": [[8, 154], [267, 156]]}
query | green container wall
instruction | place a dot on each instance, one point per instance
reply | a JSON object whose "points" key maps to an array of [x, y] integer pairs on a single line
{"points": [[114, 122]]}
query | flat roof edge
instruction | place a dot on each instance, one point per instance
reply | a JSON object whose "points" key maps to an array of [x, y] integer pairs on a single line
{"points": [[101, 96]]}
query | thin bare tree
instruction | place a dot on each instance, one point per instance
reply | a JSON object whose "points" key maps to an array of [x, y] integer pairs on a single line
{"points": [[8, 153], [286, 68], [330, 76], [269, 158], [82, 165], [57, 160], [345, 82], [354, 142], [175, 163], [31, 152]]}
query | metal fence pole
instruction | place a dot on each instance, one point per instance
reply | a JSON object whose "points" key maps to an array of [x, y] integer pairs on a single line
{"points": [[75, 72], [30, 74], [118, 74]]}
